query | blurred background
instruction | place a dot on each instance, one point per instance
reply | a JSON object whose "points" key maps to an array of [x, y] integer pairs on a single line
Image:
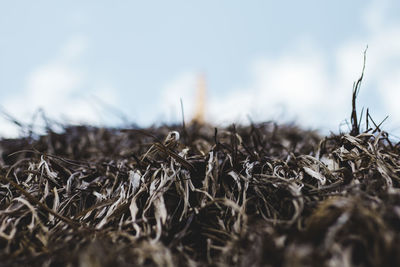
{"points": [[116, 63]]}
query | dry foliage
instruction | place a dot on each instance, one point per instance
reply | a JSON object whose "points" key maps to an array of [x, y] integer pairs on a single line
{"points": [[263, 195]]}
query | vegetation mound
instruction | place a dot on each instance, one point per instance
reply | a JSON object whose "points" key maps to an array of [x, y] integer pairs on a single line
{"points": [[262, 195]]}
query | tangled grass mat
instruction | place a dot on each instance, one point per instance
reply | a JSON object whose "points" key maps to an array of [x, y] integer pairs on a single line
{"points": [[262, 195]]}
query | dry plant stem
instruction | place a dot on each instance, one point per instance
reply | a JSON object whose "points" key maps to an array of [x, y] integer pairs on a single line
{"points": [[355, 125]]}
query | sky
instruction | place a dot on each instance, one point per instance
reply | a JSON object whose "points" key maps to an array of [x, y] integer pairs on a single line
{"points": [[116, 63]]}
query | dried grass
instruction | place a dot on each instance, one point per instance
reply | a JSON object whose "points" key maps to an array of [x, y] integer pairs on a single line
{"points": [[244, 196], [262, 195]]}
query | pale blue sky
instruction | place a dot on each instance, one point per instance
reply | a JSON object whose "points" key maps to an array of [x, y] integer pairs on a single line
{"points": [[142, 56]]}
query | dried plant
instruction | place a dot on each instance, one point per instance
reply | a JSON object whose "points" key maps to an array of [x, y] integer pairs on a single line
{"points": [[258, 195]]}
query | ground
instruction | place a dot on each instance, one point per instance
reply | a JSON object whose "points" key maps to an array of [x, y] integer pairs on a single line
{"points": [[256, 195]]}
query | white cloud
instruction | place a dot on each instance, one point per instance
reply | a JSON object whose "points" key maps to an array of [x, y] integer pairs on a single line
{"points": [[391, 92], [182, 87], [279, 89], [288, 88], [58, 87], [299, 85], [234, 107], [51, 84]]}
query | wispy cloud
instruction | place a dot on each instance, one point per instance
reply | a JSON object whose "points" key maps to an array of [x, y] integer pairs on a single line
{"points": [[60, 88], [183, 88]]}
